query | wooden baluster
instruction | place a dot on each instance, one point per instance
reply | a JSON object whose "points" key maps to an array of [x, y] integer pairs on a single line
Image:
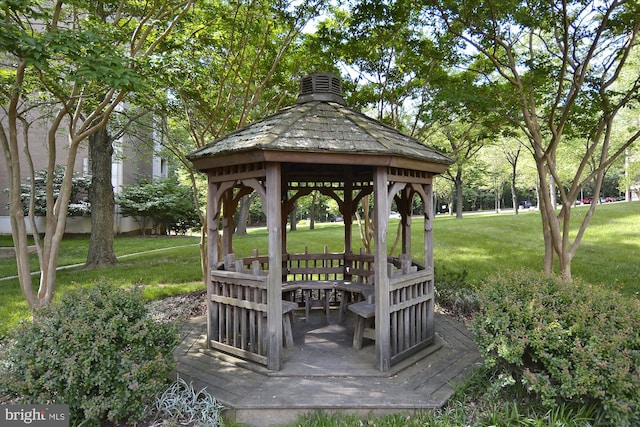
{"points": [[229, 259], [255, 267]]}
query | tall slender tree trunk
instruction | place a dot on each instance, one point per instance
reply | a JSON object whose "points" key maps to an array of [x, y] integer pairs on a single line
{"points": [[293, 218], [101, 195], [546, 233], [552, 186], [459, 198], [514, 196], [312, 221]]}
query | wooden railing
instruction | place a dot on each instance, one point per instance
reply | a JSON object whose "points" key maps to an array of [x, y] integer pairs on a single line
{"points": [[238, 313], [411, 308], [237, 297]]}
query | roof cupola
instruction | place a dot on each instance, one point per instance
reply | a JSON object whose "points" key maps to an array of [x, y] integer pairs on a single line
{"points": [[321, 87]]}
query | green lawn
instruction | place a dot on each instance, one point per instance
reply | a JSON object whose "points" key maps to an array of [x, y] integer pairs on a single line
{"points": [[486, 243], [483, 244], [177, 269], [478, 244]]}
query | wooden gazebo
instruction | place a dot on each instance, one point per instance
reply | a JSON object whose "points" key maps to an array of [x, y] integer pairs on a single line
{"points": [[318, 144]]}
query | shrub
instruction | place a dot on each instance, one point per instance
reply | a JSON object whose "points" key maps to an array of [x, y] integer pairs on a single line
{"points": [[563, 341], [95, 350], [79, 203], [454, 293], [165, 205]]}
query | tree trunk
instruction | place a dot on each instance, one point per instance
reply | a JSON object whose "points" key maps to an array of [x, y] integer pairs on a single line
{"points": [[554, 226], [293, 218], [101, 252], [312, 221], [546, 233], [243, 216], [514, 196], [365, 225], [459, 198], [18, 228], [552, 191]]}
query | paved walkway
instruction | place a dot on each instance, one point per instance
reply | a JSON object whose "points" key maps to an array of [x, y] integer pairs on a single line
{"points": [[323, 371]]}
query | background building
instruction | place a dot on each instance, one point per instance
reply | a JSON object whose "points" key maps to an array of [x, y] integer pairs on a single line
{"points": [[134, 158]]}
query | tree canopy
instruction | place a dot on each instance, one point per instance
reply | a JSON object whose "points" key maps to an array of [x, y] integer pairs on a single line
{"points": [[556, 82], [561, 65], [67, 65]]}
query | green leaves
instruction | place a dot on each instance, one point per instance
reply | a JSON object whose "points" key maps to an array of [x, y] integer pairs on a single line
{"points": [[95, 350], [79, 204], [85, 44], [563, 341], [160, 203], [83, 57]]}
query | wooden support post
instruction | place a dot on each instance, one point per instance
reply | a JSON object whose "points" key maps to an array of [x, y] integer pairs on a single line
{"points": [[213, 213], [255, 267], [407, 194], [227, 222], [382, 208], [347, 213], [274, 279], [429, 213]]}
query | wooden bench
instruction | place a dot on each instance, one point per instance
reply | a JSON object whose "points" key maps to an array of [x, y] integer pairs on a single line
{"points": [[324, 288], [288, 308], [349, 291], [365, 312], [349, 274]]}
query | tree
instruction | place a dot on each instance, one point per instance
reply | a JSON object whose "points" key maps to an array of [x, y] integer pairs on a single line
{"points": [[83, 67], [511, 149], [462, 142], [128, 121], [227, 66], [101, 194], [561, 64], [631, 181], [392, 65]]}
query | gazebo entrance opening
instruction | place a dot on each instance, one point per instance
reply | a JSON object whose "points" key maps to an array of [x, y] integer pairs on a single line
{"points": [[312, 147]]}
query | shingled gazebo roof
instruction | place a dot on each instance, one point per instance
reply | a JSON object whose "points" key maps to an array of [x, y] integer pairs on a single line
{"points": [[320, 125]]}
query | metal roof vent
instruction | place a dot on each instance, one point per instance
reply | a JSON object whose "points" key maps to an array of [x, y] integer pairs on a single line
{"points": [[321, 87]]}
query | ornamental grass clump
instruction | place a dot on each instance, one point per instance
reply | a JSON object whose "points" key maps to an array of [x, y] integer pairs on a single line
{"points": [[95, 350], [564, 342], [186, 406]]}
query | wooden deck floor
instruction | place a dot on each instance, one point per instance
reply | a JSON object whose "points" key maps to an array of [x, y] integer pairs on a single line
{"points": [[323, 371]]}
